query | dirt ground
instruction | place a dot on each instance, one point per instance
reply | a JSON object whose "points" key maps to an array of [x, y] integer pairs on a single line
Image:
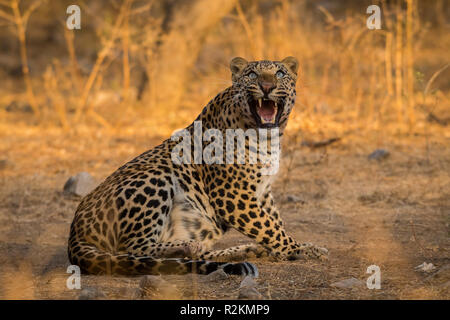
{"points": [[393, 213]]}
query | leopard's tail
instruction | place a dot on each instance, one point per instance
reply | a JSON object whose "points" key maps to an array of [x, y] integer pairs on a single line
{"points": [[91, 260]]}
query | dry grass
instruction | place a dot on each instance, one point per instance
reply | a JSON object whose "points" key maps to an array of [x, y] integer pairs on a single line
{"points": [[393, 213], [138, 70]]}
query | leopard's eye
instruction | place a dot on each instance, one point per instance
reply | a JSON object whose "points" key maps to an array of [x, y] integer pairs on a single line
{"points": [[252, 75], [280, 74]]}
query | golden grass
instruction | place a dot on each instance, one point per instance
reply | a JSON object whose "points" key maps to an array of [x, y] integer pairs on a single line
{"points": [[347, 71], [129, 78]]}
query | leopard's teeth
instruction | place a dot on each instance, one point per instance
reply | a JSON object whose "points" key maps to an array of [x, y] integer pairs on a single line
{"points": [[260, 102], [275, 114]]}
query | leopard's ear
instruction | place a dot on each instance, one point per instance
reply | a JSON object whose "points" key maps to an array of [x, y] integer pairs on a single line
{"points": [[291, 63], [237, 65]]}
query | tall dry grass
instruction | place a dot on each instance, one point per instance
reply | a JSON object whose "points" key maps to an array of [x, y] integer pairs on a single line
{"points": [[165, 59], [19, 18]]}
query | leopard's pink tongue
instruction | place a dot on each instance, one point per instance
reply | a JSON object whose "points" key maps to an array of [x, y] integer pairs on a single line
{"points": [[267, 111]]}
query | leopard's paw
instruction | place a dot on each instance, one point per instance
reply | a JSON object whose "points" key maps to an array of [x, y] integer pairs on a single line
{"points": [[308, 251], [256, 251]]}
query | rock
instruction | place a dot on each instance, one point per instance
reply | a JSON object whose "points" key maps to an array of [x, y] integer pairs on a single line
{"points": [[91, 293], [157, 287], [348, 283], [379, 154], [249, 294], [247, 289], [248, 282], [80, 184], [425, 267], [294, 198], [217, 275]]}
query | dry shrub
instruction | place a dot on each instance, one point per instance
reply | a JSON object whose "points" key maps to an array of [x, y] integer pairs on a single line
{"points": [[154, 58]]}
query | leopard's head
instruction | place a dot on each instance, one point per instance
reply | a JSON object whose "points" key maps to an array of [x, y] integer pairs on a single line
{"points": [[264, 90]]}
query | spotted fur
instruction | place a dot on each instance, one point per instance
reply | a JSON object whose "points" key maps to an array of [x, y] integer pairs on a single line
{"points": [[153, 216]]}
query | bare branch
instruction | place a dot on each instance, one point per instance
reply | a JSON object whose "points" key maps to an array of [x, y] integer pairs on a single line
{"points": [[104, 52], [6, 16], [30, 10], [433, 77]]}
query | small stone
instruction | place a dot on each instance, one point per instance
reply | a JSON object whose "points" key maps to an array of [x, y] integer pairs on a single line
{"points": [[425, 267], [217, 275], [80, 184], [348, 283], [249, 294], [379, 154], [91, 293], [247, 289]]}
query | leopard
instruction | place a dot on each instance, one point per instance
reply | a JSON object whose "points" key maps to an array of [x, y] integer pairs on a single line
{"points": [[155, 215]]}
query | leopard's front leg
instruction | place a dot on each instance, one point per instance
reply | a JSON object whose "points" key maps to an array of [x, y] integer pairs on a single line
{"points": [[305, 249], [244, 213]]}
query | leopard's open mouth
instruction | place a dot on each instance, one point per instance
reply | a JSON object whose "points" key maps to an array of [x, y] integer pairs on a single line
{"points": [[266, 112]]}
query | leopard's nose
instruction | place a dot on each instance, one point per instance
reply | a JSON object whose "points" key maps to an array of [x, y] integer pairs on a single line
{"points": [[266, 86]]}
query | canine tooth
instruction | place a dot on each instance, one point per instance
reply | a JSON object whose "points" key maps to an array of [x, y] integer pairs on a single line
{"points": [[259, 102]]}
